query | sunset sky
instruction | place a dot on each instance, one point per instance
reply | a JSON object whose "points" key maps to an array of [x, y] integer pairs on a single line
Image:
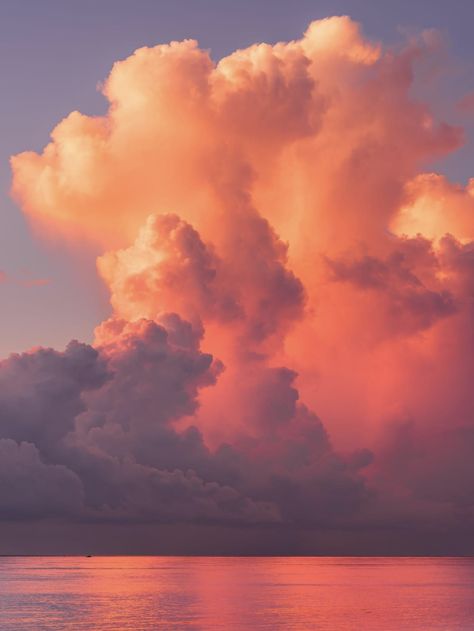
{"points": [[237, 277]]}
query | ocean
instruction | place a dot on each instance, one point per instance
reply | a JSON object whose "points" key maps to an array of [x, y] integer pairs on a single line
{"points": [[206, 593]]}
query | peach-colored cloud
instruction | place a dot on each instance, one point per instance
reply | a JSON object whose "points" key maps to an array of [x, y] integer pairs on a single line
{"points": [[35, 282], [466, 104], [27, 281], [434, 207], [276, 201]]}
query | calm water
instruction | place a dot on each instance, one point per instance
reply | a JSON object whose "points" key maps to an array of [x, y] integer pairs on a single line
{"points": [[337, 594]]}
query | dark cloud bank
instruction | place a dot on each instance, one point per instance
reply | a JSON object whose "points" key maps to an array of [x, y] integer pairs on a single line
{"points": [[92, 460]]}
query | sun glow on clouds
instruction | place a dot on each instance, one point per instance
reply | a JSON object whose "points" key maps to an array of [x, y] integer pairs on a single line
{"points": [[271, 246]]}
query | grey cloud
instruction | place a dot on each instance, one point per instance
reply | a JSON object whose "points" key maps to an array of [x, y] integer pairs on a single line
{"points": [[29, 488], [105, 443]]}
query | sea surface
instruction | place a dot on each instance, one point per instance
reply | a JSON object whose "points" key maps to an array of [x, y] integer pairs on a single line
{"points": [[329, 593]]}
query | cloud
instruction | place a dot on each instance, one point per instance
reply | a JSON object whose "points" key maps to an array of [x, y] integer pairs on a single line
{"points": [[41, 392], [25, 282], [168, 253], [102, 420], [105, 419], [31, 489], [434, 207], [466, 103], [248, 290], [36, 282], [291, 332], [404, 289]]}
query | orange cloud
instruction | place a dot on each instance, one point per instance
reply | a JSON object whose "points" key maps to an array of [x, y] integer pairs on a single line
{"points": [[434, 207], [276, 202]]}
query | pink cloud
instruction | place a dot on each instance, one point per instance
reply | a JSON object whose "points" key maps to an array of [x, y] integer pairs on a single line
{"points": [[273, 249]]}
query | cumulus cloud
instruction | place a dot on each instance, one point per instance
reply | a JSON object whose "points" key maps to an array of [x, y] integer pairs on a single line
{"points": [[30, 488], [249, 292], [168, 253], [404, 289], [40, 392], [272, 248], [104, 420]]}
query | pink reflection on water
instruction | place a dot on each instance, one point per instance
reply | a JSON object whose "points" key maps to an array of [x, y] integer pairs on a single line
{"points": [[337, 594]]}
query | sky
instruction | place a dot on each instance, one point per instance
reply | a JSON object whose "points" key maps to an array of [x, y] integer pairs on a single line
{"points": [[259, 239]]}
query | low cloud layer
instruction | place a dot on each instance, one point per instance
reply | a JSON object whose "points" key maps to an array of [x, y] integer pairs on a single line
{"points": [[290, 344]]}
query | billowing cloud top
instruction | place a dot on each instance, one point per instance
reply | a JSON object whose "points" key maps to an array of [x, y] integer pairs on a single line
{"points": [[272, 247]]}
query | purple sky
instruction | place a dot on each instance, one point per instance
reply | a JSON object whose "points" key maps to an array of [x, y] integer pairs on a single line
{"points": [[53, 54]]}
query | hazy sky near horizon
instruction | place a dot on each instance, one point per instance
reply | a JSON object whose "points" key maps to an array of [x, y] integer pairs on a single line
{"points": [[54, 54]]}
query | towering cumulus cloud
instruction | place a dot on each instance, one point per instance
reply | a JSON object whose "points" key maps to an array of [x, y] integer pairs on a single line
{"points": [[275, 255]]}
